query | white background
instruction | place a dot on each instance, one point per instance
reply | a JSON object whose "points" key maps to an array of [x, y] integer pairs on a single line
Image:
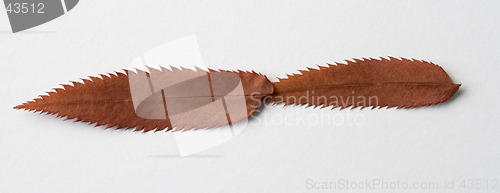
{"points": [[456, 140]]}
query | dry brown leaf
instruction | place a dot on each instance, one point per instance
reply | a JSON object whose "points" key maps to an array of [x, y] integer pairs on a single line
{"points": [[107, 100], [185, 99], [369, 82]]}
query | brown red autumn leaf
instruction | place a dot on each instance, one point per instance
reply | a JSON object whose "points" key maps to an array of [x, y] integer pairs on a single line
{"points": [[362, 83], [184, 99]]}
